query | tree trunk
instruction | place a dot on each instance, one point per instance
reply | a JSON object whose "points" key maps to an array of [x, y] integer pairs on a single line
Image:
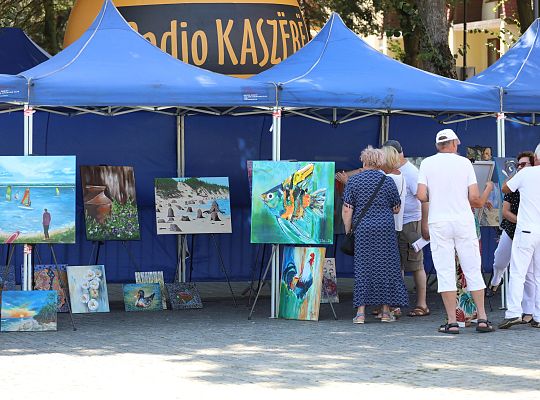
{"points": [[525, 14], [49, 27], [435, 52]]}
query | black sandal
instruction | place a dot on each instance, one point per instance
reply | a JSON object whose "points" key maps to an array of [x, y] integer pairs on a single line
{"points": [[484, 329], [446, 328]]}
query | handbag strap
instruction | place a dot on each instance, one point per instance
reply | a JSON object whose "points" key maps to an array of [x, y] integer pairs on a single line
{"points": [[369, 202]]}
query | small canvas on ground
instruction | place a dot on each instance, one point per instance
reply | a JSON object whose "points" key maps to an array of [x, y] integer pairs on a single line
{"points": [[37, 199], [184, 296], [329, 292], [47, 277], [142, 297], [153, 277], [28, 311], [88, 289], [301, 282], [110, 203], [193, 205]]}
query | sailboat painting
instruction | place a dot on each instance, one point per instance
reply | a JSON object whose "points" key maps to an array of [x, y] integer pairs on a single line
{"points": [[37, 199]]}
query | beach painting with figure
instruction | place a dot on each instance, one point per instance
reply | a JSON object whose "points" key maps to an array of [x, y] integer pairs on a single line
{"points": [[37, 199], [87, 289], [301, 283], [30, 311], [292, 202], [110, 203], [193, 205]]}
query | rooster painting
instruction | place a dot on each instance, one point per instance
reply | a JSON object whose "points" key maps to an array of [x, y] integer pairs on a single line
{"points": [[301, 281]]}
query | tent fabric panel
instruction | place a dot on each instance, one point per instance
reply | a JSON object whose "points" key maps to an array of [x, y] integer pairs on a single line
{"points": [[18, 52]]}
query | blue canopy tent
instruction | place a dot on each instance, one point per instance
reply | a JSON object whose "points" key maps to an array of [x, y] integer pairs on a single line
{"points": [[18, 52]]}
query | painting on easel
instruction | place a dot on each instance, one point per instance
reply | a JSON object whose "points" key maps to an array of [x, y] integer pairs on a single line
{"points": [[53, 277]]}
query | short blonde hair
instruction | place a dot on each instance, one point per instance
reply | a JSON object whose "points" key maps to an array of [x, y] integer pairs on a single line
{"points": [[391, 158], [372, 157]]}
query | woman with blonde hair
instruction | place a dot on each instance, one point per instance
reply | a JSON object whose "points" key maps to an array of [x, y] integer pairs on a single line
{"points": [[391, 168], [370, 200]]}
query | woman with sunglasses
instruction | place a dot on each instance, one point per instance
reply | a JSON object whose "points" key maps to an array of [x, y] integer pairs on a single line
{"points": [[503, 251]]}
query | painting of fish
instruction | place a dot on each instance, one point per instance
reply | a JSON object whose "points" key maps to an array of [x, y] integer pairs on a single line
{"points": [[292, 202]]}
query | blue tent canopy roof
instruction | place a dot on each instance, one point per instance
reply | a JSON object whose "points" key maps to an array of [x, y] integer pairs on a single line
{"points": [[338, 69], [112, 65], [517, 72], [18, 52]]}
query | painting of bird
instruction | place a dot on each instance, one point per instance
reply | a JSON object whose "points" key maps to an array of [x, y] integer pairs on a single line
{"points": [[142, 301], [147, 297]]}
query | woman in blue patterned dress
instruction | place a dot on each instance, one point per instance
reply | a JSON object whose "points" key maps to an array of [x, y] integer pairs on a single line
{"points": [[377, 273]]}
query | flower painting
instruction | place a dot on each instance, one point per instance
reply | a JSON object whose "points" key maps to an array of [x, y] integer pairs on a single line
{"points": [[301, 283], [142, 297], [110, 203], [37, 199], [29, 311], [88, 289], [292, 202], [53, 277]]}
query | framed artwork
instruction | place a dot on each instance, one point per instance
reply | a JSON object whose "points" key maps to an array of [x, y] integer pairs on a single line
{"points": [[87, 289], [38, 199], [487, 216], [329, 292], [292, 202], [142, 297], [28, 311], [479, 153], [153, 277], [416, 161], [193, 205], [183, 295], [47, 277], [110, 203], [7, 279], [301, 283]]}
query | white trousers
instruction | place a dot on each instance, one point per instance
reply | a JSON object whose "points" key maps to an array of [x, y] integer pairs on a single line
{"points": [[525, 250], [447, 237], [501, 262]]}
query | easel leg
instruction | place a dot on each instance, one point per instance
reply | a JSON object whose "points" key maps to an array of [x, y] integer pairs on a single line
{"points": [[263, 279], [62, 286], [222, 264], [130, 255], [191, 256]]}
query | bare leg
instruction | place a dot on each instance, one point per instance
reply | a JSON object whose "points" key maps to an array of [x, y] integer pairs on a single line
{"points": [[420, 283], [361, 309], [449, 300], [478, 297]]}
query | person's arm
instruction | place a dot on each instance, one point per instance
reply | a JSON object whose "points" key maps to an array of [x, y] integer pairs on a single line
{"points": [[424, 222], [346, 214], [422, 193], [512, 184], [475, 200], [343, 176], [396, 209], [507, 214]]}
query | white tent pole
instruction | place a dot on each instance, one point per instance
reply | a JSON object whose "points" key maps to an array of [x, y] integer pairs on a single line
{"points": [[28, 144], [181, 170], [385, 124], [276, 156], [501, 152]]}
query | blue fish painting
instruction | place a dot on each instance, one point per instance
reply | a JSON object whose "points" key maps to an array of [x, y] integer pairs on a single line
{"points": [[293, 202]]}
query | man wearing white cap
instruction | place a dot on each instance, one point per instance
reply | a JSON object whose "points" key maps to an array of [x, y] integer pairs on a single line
{"points": [[526, 243], [448, 182]]}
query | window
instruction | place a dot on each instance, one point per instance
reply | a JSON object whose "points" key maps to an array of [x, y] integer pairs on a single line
{"points": [[493, 47]]}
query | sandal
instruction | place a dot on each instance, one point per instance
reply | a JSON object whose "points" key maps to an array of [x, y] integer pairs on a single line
{"points": [[419, 311], [359, 319], [387, 317], [452, 329], [534, 324], [484, 329], [396, 312], [526, 318]]}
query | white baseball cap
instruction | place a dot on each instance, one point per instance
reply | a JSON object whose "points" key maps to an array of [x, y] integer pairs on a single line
{"points": [[445, 135]]}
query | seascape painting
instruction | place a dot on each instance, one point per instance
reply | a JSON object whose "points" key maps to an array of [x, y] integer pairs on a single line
{"points": [[53, 277], [329, 292], [142, 297], [301, 283], [193, 205], [153, 277], [184, 296], [110, 203], [292, 202], [28, 311], [37, 199], [87, 289]]}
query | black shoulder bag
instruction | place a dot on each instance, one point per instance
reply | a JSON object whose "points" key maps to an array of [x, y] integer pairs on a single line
{"points": [[347, 246]]}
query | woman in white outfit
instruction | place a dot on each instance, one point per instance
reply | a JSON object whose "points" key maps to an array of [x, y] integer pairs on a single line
{"points": [[391, 166], [503, 251]]}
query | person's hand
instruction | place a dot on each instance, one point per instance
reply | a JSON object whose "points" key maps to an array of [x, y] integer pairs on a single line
{"points": [[395, 209], [342, 177], [425, 231], [489, 187]]}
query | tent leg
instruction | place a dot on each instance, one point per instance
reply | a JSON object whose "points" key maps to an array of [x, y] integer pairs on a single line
{"points": [[276, 156], [28, 144], [501, 152], [385, 128], [181, 242]]}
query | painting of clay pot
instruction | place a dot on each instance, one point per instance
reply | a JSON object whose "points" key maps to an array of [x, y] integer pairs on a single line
{"points": [[97, 205]]}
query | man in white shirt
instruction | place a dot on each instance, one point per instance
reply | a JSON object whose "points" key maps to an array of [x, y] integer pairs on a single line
{"points": [[448, 182], [412, 261], [526, 243]]}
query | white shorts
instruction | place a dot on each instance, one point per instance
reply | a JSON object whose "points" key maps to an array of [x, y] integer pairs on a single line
{"points": [[447, 237]]}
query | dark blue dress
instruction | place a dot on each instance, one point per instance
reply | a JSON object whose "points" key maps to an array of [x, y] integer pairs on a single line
{"points": [[377, 271]]}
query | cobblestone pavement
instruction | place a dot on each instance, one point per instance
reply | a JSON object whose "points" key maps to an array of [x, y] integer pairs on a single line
{"points": [[217, 352]]}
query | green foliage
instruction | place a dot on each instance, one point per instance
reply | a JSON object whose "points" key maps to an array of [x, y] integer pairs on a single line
{"points": [[196, 184], [122, 224]]}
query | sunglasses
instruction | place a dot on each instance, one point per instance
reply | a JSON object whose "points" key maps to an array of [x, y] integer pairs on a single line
{"points": [[523, 164]]}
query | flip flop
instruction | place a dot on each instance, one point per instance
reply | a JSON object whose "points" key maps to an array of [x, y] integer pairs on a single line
{"points": [[419, 311]]}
